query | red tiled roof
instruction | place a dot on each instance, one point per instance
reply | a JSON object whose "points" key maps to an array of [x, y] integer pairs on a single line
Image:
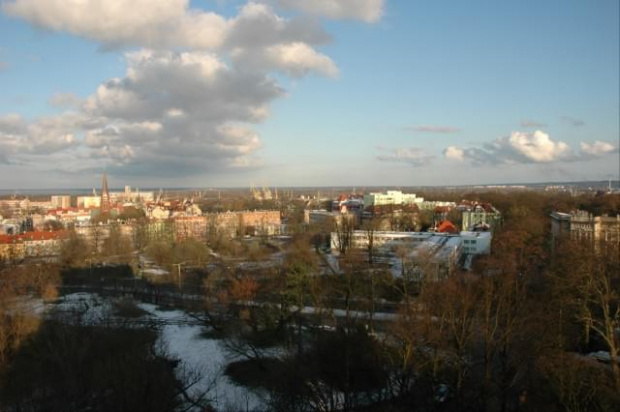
{"points": [[34, 236], [4, 239], [447, 227]]}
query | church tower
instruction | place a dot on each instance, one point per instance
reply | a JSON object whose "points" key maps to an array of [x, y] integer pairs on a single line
{"points": [[105, 195]]}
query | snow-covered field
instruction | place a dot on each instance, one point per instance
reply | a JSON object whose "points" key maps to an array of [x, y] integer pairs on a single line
{"points": [[205, 356], [182, 340]]}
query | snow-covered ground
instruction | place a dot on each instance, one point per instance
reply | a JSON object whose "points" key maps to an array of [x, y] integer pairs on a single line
{"points": [[207, 357], [182, 339]]}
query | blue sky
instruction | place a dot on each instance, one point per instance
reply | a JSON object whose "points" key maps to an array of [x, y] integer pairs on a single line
{"points": [[278, 92]]}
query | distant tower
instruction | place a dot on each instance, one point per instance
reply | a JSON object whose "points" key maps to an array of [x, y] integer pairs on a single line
{"points": [[105, 195]]}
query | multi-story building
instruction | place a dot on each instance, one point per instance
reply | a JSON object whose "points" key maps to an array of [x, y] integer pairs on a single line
{"points": [[392, 197], [434, 255], [61, 202], [129, 196], [23, 206], [480, 215], [89, 202], [231, 224], [70, 216], [580, 224], [261, 222], [31, 245], [190, 227]]}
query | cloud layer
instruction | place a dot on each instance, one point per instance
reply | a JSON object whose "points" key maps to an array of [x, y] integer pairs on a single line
{"points": [[413, 156], [433, 129]]}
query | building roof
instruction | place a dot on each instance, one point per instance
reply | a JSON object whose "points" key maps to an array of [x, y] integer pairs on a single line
{"points": [[447, 227], [34, 236]]}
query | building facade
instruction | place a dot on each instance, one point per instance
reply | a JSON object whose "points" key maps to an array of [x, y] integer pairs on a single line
{"points": [[419, 254], [480, 215], [582, 225], [61, 202], [391, 197]]}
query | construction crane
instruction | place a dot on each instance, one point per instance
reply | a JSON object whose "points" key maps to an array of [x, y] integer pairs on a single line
{"points": [[256, 194], [266, 193]]}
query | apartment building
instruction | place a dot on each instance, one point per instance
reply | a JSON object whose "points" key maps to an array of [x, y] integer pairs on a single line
{"points": [[580, 224]]}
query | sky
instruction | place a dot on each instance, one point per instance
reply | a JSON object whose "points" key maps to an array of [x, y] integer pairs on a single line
{"points": [[222, 93]]}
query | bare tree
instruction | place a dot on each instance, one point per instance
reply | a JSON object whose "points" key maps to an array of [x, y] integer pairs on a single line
{"points": [[343, 228]]}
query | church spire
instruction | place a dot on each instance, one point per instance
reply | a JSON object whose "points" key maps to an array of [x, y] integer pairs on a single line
{"points": [[105, 194]]}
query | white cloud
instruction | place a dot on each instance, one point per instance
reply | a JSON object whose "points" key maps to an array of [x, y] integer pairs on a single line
{"points": [[412, 155], [166, 24], [257, 37], [433, 129], [598, 148], [535, 147], [520, 147], [366, 10], [454, 153], [44, 136], [258, 26], [298, 59], [12, 123], [173, 113], [151, 23]]}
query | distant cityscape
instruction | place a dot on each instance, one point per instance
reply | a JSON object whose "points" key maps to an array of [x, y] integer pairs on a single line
{"points": [[453, 233]]}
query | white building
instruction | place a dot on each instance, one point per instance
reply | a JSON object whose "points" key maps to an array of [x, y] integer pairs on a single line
{"points": [[392, 197], [432, 204], [441, 251], [476, 243]]}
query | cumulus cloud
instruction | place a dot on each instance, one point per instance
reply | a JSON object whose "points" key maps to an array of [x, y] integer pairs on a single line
{"points": [[294, 59], [173, 105], [152, 23], [258, 26], [521, 147], [532, 124], [366, 10], [298, 59], [169, 108], [532, 147], [413, 156], [598, 148], [12, 123], [44, 136], [166, 24], [433, 129], [173, 113], [3, 65], [258, 37], [454, 153], [572, 121]]}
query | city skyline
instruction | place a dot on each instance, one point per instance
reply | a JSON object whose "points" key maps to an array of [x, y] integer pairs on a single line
{"points": [[290, 93]]}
